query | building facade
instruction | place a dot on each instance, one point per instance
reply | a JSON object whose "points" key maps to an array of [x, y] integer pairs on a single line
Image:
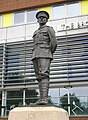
{"points": [[69, 69]]}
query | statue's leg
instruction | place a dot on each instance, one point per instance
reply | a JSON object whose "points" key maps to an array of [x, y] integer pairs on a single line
{"points": [[44, 70], [36, 68]]}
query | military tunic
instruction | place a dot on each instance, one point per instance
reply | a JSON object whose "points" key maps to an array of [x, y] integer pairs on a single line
{"points": [[44, 46], [44, 42]]}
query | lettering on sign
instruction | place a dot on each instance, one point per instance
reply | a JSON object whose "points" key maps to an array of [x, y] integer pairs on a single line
{"points": [[76, 25]]}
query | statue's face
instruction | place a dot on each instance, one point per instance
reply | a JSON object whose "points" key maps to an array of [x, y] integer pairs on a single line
{"points": [[42, 20]]}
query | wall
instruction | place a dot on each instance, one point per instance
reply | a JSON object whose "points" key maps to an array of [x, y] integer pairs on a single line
{"points": [[13, 5], [3, 118], [7, 19], [84, 7], [79, 118]]}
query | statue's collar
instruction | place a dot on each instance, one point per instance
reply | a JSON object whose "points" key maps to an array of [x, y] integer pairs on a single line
{"points": [[42, 26]]}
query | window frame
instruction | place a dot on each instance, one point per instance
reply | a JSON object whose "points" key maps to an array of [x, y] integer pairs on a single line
{"points": [[65, 8], [58, 6], [0, 21], [27, 15], [70, 4], [20, 22]]}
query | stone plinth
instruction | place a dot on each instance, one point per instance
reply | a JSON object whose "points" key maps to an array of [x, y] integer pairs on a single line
{"points": [[38, 113]]}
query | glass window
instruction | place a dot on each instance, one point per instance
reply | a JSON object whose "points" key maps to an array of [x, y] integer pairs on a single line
{"points": [[54, 95], [58, 12], [0, 21], [66, 10], [73, 9], [14, 99], [77, 98], [19, 17], [31, 15]]}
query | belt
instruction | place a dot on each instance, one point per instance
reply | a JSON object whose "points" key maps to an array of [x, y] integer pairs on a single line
{"points": [[42, 42]]}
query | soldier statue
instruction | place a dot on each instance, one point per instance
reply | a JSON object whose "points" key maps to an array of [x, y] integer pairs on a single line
{"points": [[44, 45]]}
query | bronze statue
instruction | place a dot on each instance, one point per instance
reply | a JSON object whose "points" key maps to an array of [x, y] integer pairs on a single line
{"points": [[44, 46]]}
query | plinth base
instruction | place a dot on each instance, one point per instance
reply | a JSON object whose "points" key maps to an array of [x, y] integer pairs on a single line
{"points": [[38, 113]]}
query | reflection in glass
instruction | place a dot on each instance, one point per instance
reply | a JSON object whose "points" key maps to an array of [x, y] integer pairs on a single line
{"points": [[31, 15], [66, 10], [58, 12], [73, 9], [19, 17]]}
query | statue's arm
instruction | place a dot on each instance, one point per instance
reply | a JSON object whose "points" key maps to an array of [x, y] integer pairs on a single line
{"points": [[53, 40]]}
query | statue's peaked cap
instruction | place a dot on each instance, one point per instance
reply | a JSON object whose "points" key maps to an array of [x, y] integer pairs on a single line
{"points": [[42, 13]]}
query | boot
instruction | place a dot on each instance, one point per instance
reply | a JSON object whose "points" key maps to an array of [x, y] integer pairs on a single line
{"points": [[43, 88], [40, 98]]}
